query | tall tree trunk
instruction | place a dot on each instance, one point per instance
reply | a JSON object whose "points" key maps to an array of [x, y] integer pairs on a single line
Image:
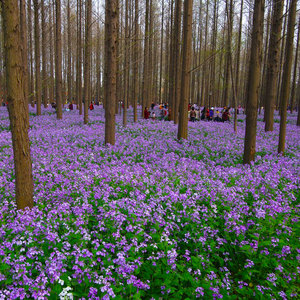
{"points": [[254, 81], [38, 86], [273, 64], [186, 64], [146, 58], [87, 58], [17, 104], [31, 81], [44, 58], [293, 91], [23, 34], [126, 65], [51, 80], [58, 75], [177, 60], [79, 59], [136, 62], [286, 77], [279, 83], [237, 70], [110, 71], [69, 74], [228, 52]]}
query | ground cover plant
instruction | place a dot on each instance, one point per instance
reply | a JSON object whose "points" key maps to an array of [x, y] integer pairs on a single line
{"points": [[150, 217]]}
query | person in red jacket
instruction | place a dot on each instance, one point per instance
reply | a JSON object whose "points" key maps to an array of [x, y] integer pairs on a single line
{"points": [[146, 113], [91, 106]]}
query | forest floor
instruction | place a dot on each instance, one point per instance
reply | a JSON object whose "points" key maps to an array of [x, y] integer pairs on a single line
{"points": [[150, 217]]}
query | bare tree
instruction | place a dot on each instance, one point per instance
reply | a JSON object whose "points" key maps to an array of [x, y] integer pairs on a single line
{"points": [[286, 77], [253, 81], [186, 63], [273, 64], [58, 75], [110, 71], [17, 104]]}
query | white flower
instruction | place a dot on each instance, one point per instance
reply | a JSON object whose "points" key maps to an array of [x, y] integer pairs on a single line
{"points": [[65, 295]]}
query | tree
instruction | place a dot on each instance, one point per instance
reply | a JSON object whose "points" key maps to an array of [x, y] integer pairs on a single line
{"points": [[38, 86], [286, 77], [186, 63], [253, 81], [23, 32], [293, 91], [58, 75], [44, 58], [87, 59], [17, 104], [110, 71], [79, 59], [69, 72], [136, 63], [273, 64]]}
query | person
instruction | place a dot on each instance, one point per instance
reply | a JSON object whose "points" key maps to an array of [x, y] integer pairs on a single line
{"points": [[207, 114], [71, 106], [225, 115], [217, 118], [162, 114], [91, 106], [146, 113], [152, 106], [53, 104], [193, 115], [153, 115], [203, 113], [211, 114]]}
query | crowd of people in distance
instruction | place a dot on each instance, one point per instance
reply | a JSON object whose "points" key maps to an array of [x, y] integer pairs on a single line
{"points": [[195, 113]]}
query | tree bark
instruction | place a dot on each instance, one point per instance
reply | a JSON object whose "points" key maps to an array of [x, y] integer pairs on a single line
{"points": [[79, 59], [69, 74], [293, 91], [58, 62], [286, 77], [254, 81], [38, 86], [186, 63], [87, 59], [17, 104], [136, 62], [23, 33], [273, 64], [110, 71], [44, 58]]}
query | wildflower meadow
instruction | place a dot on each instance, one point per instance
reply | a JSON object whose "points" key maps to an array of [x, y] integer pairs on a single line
{"points": [[151, 217]]}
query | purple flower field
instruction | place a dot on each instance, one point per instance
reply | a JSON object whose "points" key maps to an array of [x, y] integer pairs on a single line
{"points": [[150, 218]]}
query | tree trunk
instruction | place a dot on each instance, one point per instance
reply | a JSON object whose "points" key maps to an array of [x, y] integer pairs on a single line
{"points": [[44, 58], [31, 81], [87, 59], [38, 86], [254, 81], [110, 71], [79, 59], [126, 66], [186, 62], [17, 104], [146, 59], [273, 64], [69, 74], [23, 34], [177, 60], [286, 77], [51, 80], [293, 92], [58, 75], [136, 62]]}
